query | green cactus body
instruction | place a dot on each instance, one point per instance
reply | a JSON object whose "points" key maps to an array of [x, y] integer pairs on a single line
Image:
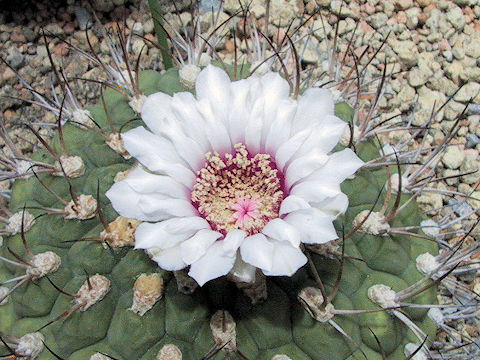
{"points": [[278, 326]]}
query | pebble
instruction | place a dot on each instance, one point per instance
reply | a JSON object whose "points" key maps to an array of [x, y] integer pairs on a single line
{"points": [[453, 157], [460, 207], [417, 77], [338, 8], [470, 91], [15, 58], [282, 12], [407, 52], [475, 202], [378, 20], [473, 109], [456, 18], [472, 141], [472, 45], [82, 16], [470, 166], [403, 4]]}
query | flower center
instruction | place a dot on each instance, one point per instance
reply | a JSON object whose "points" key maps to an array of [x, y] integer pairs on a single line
{"points": [[238, 190]]}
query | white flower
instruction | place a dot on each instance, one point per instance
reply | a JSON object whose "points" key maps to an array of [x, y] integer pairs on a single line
{"points": [[240, 170]]}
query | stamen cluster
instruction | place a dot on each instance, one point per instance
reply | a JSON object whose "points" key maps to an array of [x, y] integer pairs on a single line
{"points": [[238, 191]]}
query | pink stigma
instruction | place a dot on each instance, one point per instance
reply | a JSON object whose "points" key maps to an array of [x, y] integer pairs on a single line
{"points": [[245, 210]]}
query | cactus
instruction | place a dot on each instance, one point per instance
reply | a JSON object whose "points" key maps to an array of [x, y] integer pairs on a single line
{"points": [[75, 288], [279, 325]]}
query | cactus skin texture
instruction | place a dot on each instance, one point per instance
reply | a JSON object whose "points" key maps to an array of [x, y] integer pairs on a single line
{"points": [[278, 326]]}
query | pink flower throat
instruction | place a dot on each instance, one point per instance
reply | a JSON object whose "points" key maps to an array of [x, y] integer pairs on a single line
{"points": [[238, 191]]}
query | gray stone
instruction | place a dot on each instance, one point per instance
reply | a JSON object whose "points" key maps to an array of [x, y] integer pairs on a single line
{"points": [[434, 19], [412, 17], [103, 5], [470, 166], [406, 51], [473, 109], [430, 201], [475, 202], [417, 77], [148, 26], [404, 97], [53, 29], [427, 99], [472, 141], [15, 58], [208, 5], [83, 17], [470, 91], [451, 175], [458, 52], [351, 10], [465, 2], [29, 34], [346, 26], [377, 20], [460, 207], [321, 29], [455, 70], [453, 157], [456, 18], [448, 55], [452, 110], [282, 12], [472, 45], [403, 4]]}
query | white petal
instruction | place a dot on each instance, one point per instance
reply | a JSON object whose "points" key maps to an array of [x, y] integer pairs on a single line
{"points": [[290, 147], [188, 149], [303, 166], [124, 200], [184, 106], [239, 113], [314, 226], [242, 271], [147, 206], [168, 259], [279, 131], [253, 134], [313, 105], [280, 230], [195, 247], [215, 129], [213, 85], [232, 241], [275, 89], [333, 205], [316, 191], [155, 110], [159, 117], [292, 203], [159, 208], [144, 182], [324, 135], [211, 265], [168, 233], [287, 259], [340, 165], [257, 250], [157, 154]]}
